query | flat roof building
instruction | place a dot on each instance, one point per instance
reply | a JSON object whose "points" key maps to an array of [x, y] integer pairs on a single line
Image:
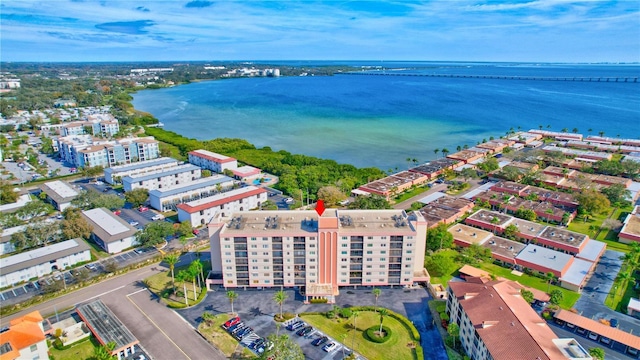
{"points": [[42, 261], [162, 178], [544, 260], [59, 194], [489, 220], [111, 232], [202, 211], [115, 174], [212, 161], [436, 167], [319, 253], [167, 199], [465, 235], [563, 240], [107, 328], [630, 231], [504, 250]]}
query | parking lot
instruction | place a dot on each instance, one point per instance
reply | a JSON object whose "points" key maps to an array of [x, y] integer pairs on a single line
{"points": [[256, 308], [615, 353], [23, 292]]}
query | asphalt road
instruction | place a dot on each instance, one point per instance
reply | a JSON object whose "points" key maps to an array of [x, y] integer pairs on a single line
{"points": [[162, 333]]}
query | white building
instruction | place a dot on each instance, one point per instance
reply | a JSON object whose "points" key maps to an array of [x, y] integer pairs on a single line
{"points": [[115, 174], [111, 232], [203, 210], [86, 151], [59, 194], [212, 161], [163, 178], [42, 261], [24, 338], [167, 199]]}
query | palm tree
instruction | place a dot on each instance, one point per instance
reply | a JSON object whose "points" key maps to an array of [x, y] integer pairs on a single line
{"points": [[409, 161], [171, 259], [540, 126], [232, 296], [183, 276], [376, 292], [458, 147], [575, 130], [279, 297], [445, 151], [383, 312], [454, 331], [414, 161], [436, 151], [549, 276], [622, 278], [589, 130], [355, 327], [564, 130], [495, 220], [601, 133]]}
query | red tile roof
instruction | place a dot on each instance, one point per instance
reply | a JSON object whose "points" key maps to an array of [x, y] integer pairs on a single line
{"points": [[612, 333], [23, 332]]}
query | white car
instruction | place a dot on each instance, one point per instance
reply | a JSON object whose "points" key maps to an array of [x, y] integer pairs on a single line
{"points": [[133, 223], [330, 347], [157, 217]]}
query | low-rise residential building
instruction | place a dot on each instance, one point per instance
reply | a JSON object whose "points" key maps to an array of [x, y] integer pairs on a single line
{"points": [[212, 161], [110, 232], [467, 156], [299, 248], [630, 231], [611, 141], [247, 173], [633, 309], [163, 178], [563, 136], [115, 174], [59, 194], [107, 328], [42, 261], [575, 153], [167, 199], [433, 169], [86, 151], [24, 339], [497, 323], [200, 212], [394, 184]]}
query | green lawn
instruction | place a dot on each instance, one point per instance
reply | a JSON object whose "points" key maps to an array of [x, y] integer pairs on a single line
{"points": [[570, 297], [607, 236], [444, 279], [82, 350], [411, 193], [395, 348], [216, 335], [161, 282]]}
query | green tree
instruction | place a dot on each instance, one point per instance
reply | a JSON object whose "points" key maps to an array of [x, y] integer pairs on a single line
{"points": [[74, 224], [280, 297], [183, 276], [232, 296], [527, 295], [439, 237], [370, 202], [597, 353], [526, 214], [376, 293], [185, 228], [468, 173], [454, 331], [331, 195], [104, 352], [592, 202], [510, 232], [206, 173], [172, 259], [622, 279], [549, 276], [283, 349], [155, 233], [439, 264], [488, 165], [208, 318], [137, 197], [556, 296], [475, 254], [616, 193], [383, 312]]}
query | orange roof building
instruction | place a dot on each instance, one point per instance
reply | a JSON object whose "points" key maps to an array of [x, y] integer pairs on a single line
{"points": [[493, 317], [24, 339]]}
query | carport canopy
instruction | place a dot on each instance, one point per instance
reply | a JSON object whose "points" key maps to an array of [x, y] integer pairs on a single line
{"points": [[596, 327]]}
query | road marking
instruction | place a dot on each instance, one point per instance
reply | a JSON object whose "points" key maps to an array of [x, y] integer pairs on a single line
{"points": [[157, 327], [104, 293], [2, 296], [137, 291]]}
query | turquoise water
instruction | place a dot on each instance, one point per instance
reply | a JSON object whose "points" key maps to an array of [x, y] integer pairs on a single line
{"points": [[383, 120]]}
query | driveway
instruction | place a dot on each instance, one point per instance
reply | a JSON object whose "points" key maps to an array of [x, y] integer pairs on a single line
{"points": [[591, 303], [256, 308]]}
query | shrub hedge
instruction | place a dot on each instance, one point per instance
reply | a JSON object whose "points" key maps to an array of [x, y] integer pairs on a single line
{"points": [[370, 334], [318, 301]]}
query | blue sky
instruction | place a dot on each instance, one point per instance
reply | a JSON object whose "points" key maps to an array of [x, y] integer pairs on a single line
{"points": [[462, 30]]}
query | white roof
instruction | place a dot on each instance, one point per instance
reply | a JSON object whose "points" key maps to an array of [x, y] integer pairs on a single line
{"points": [[37, 253], [106, 220], [577, 272], [634, 304], [432, 197], [61, 188], [592, 250], [545, 257], [22, 201]]}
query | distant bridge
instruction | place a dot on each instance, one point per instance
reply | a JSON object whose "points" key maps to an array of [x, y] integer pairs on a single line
{"points": [[502, 77]]}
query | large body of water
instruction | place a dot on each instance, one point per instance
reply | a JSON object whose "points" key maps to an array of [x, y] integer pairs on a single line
{"points": [[381, 121]]}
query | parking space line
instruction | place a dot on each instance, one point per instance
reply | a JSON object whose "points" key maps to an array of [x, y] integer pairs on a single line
{"points": [[157, 327], [14, 292], [2, 296]]}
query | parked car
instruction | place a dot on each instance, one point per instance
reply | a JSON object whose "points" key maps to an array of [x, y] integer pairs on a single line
{"points": [[319, 341], [235, 327], [117, 212], [304, 331], [231, 322], [330, 347], [133, 223], [593, 336], [257, 342], [91, 267], [143, 209], [294, 325], [613, 322], [632, 351], [157, 217], [195, 231], [267, 345], [605, 340]]}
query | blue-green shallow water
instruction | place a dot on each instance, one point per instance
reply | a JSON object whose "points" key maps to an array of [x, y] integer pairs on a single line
{"points": [[382, 120]]}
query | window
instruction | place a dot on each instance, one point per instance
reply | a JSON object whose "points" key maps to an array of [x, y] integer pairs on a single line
{"points": [[383, 252], [344, 253], [383, 259], [369, 245], [312, 252], [344, 260], [229, 267], [409, 244], [265, 253], [265, 246], [254, 260], [344, 238], [369, 266], [368, 273], [33, 348], [254, 253], [227, 254], [383, 237], [408, 251], [227, 261], [343, 266], [253, 238], [383, 266], [254, 274], [370, 237], [253, 246], [369, 252], [254, 268], [345, 245], [266, 268], [265, 260], [312, 245], [265, 238], [227, 246], [369, 259], [408, 259]]}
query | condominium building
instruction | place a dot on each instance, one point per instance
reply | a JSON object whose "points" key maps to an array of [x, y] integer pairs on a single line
{"points": [[24, 338], [110, 231], [497, 323], [166, 199], [162, 178], [59, 194], [203, 210], [97, 127], [86, 151], [115, 174], [212, 161], [299, 248]]}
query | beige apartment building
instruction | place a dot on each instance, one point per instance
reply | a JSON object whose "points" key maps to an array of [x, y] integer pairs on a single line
{"points": [[318, 254]]}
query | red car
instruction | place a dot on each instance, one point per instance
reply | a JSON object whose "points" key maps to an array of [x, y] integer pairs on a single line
{"points": [[117, 212], [195, 231], [143, 209], [231, 322]]}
